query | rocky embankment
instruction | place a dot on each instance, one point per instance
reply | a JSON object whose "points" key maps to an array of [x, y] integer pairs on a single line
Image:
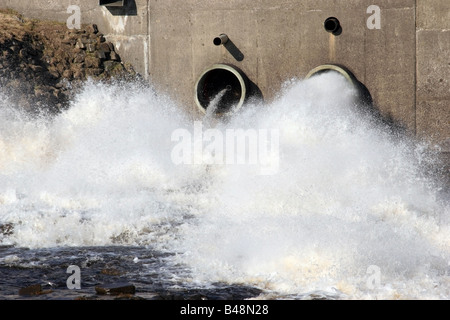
{"points": [[42, 63]]}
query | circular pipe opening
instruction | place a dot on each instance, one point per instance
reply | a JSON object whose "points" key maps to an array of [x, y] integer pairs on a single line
{"points": [[332, 25], [221, 39], [222, 87], [331, 67], [364, 95]]}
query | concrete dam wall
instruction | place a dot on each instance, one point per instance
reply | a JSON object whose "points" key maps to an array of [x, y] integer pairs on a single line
{"points": [[399, 50]]}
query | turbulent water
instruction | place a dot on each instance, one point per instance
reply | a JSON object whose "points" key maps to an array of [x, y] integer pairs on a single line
{"points": [[351, 211]]}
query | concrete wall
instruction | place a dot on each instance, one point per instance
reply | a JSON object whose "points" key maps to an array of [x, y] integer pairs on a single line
{"points": [[284, 39], [405, 64], [433, 71]]}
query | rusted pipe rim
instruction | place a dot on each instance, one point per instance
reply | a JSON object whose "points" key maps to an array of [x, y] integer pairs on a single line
{"points": [[327, 67], [363, 93], [202, 85]]}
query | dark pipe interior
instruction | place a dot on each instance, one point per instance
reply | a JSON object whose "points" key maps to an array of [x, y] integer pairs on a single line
{"points": [[333, 25], [117, 3], [222, 39], [213, 82]]}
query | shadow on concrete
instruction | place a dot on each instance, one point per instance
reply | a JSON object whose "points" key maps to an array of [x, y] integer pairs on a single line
{"points": [[233, 50], [255, 94], [128, 9], [370, 109]]}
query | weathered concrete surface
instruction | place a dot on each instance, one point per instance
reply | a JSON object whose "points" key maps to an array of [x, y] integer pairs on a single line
{"points": [[433, 14], [286, 39], [404, 64], [433, 86], [433, 72]]}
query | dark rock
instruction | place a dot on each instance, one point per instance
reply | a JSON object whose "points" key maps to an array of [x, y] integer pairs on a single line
{"points": [[116, 289], [93, 72], [101, 55], [33, 290], [77, 50], [54, 73], [14, 49], [92, 62], [111, 272], [79, 74], [85, 298], [58, 94], [100, 38], [87, 40], [42, 92], [91, 47], [79, 58], [113, 68], [80, 45], [68, 41], [68, 74], [128, 297], [114, 56], [111, 46], [109, 65], [104, 47], [23, 53], [36, 68], [92, 28], [62, 66], [36, 57], [6, 229]]}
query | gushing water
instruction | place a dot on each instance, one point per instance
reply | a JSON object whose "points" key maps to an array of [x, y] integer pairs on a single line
{"points": [[214, 104], [351, 212]]}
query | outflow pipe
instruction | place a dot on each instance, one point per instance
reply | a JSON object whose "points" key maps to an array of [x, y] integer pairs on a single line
{"points": [[332, 25], [363, 94], [221, 39], [222, 87]]}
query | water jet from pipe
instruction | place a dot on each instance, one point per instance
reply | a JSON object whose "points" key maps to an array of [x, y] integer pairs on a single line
{"points": [[228, 80]]}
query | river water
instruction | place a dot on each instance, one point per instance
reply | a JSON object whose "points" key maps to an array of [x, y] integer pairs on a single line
{"points": [[348, 209]]}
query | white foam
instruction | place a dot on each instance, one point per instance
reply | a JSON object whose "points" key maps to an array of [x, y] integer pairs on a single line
{"points": [[347, 195]]}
